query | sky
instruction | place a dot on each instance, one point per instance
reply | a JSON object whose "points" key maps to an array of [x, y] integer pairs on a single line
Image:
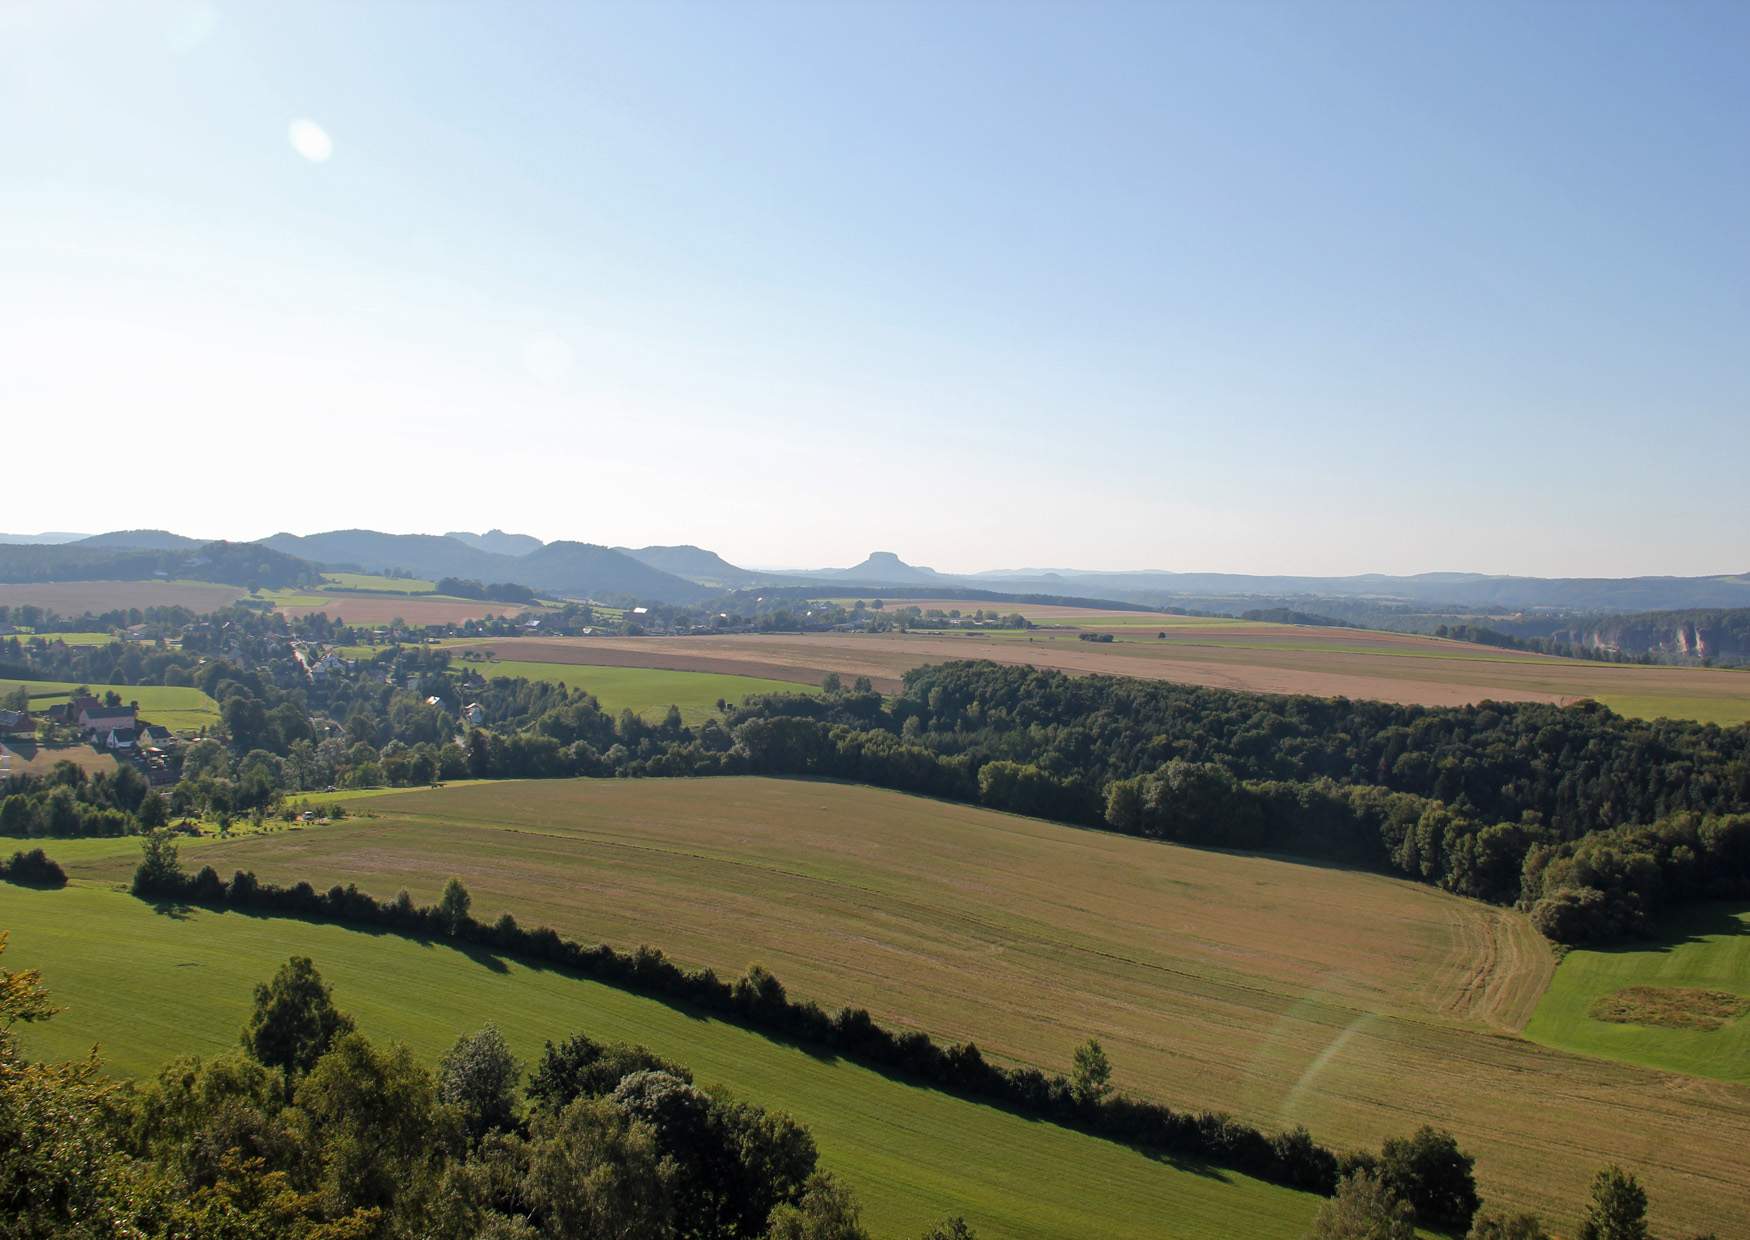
{"points": [[1312, 288]]}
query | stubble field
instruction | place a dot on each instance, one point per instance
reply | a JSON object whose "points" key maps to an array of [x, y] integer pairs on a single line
{"points": [[1288, 993]]}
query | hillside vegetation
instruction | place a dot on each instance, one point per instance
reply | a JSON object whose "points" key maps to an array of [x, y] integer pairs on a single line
{"points": [[148, 987], [1285, 992]]}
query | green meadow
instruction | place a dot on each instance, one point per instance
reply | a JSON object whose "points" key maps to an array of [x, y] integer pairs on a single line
{"points": [[180, 708], [379, 585], [73, 639], [148, 985], [1705, 947], [645, 691], [1724, 711]]}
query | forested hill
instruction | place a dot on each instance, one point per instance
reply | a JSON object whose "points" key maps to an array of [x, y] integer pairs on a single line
{"points": [[568, 568], [240, 564]]}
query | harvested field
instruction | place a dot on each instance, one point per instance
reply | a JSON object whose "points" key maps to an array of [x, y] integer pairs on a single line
{"points": [[150, 987], [383, 608], [76, 598], [1288, 993], [1388, 667]]}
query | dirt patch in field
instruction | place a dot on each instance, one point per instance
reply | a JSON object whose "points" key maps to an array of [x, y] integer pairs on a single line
{"points": [[75, 598], [1671, 1007]]}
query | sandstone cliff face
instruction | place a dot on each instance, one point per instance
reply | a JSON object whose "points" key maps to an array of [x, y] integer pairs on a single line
{"points": [[1690, 635]]}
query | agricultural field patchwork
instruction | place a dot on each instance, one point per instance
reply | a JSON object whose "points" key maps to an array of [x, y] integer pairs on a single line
{"points": [[1351, 663], [1285, 992], [180, 708], [148, 986], [1678, 1003]]}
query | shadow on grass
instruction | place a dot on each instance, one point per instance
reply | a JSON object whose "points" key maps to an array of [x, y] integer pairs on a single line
{"points": [[1685, 925], [176, 910]]}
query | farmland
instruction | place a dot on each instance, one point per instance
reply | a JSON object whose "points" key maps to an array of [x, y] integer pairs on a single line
{"points": [[1285, 992], [381, 609], [1704, 947], [76, 598], [379, 584], [1266, 658], [648, 692], [28, 758], [150, 987], [179, 708]]}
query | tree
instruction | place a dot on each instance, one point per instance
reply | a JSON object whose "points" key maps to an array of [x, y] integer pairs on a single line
{"points": [[592, 1171], [1494, 1225], [954, 1227], [827, 1211], [159, 871], [1091, 1076], [453, 907], [373, 1117], [294, 1022], [1618, 1210], [1365, 1208], [478, 1075], [831, 684], [1430, 1172]]}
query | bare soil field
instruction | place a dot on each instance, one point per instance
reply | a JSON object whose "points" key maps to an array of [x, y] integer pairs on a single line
{"points": [[1268, 659], [1360, 1005], [75, 598]]}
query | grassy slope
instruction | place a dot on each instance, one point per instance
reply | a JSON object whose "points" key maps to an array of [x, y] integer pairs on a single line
{"points": [[382, 585], [1289, 993], [150, 986], [173, 706], [1707, 947], [648, 692]]}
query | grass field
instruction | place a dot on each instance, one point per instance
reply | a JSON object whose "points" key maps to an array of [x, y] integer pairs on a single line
{"points": [[1390, 667], [377, 609], [28, 758], [1288, 993], [648, 692], [148, 987], [1706, 946], [382, 585], [73, 639], [179, 708]]}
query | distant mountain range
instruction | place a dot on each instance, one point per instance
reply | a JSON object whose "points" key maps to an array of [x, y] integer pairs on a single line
{"points": [[690, 574]]}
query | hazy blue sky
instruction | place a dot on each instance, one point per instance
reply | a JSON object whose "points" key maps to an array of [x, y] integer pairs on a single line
{"points": [[1259, 287]]}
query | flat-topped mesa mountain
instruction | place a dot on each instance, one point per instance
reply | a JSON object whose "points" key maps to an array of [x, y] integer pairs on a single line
{"points": [[881, 568], [498, 542]]}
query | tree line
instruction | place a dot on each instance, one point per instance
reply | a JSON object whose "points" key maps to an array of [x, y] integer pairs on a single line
{"points": [[1081, 1099]]}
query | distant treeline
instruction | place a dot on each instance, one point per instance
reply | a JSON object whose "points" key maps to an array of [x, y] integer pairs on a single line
{"points": [[496, 592], [758, 1000]]}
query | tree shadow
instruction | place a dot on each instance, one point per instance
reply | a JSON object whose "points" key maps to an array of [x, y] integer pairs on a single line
{"points": [[1683, 925], [176, 910]]}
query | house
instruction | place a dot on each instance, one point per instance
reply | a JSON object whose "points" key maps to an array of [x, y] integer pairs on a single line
{"points": [[17, 723], [474, 713], [98, 719], [434, 701], [154, 734], [120, 738]]}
